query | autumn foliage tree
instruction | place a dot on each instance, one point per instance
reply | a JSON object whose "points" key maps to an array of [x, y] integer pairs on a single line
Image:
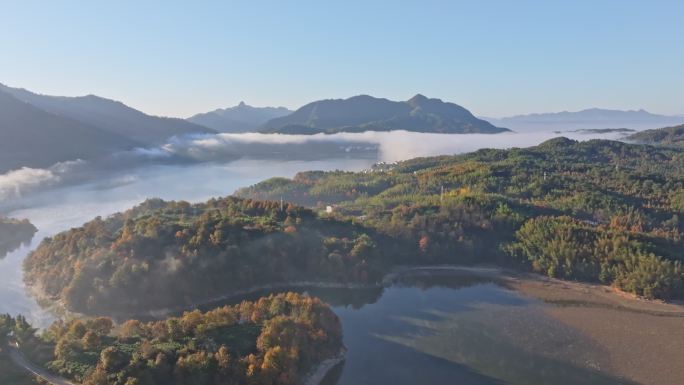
{"points": [[272, 341]]}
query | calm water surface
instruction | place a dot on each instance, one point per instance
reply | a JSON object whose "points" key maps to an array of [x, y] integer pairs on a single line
{"points": [[454, 328]]}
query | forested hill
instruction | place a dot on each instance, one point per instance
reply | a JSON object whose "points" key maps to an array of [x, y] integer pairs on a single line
{"points": [[366, 113], [597, 210], [667, 136], [274, 340], [556, 173], [178, 253]]}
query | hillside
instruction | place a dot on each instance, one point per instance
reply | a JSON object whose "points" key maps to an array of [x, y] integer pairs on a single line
{"points": [[109, 116], [667, 136], [366, 113], [35, 138], [593, 118], [241, 118], [279, 337], [177, 253], [599, 211]]}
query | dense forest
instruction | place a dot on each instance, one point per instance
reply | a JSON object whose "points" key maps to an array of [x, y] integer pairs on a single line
{"points": [[274, 340], [179, 253], [14, 233], [667, 136], [601, 211]]}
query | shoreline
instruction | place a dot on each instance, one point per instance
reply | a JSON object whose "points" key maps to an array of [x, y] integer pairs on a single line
{"points": [[506, 275], [252, 290], [317, 374], [57, 306], [629, 330], [594, 310], [396, 272]]}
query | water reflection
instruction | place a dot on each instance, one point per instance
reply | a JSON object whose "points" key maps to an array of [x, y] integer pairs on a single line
{"points": [[451, 327], [13, 237], [458, 328]]}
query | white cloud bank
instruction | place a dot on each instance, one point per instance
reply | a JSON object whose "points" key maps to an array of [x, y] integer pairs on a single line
{"points": [[383, 146], [14, 183], [391, 146]]}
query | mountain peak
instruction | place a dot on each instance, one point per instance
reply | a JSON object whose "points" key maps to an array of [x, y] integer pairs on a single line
{"points": [[366, 113], [240, 118], [418, 98]]}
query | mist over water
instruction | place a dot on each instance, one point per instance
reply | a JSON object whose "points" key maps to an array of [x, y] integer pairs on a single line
{"points": [[17, 185], [392, 146]]}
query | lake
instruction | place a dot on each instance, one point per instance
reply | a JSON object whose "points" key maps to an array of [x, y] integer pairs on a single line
{"points": [[436, 329], [455, 326]]}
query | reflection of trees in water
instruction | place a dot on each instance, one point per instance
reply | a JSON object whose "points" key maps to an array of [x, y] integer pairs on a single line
{"points": [[356, 298], [485, 338], [347, 297], [437, 279], [13, 234], [494, 337]]}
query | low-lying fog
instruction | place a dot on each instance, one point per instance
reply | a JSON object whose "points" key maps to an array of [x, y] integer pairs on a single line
{"points": [[195, 169], [17, 185]]}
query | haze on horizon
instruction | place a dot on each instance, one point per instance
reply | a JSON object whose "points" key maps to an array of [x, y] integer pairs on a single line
{"points": [[497, 59]]}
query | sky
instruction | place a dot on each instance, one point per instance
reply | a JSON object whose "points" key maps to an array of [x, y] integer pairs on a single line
{"points": [[496, 58]]}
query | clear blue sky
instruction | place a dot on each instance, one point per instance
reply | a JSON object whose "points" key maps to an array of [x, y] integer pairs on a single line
{"points": [[495, 58]]}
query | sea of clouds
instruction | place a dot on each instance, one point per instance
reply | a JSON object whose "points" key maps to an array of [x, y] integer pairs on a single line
{"points": [[222, 148], [391, 146]]}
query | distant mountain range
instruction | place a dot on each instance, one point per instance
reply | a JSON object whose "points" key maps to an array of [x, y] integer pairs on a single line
{"points": [[36, 138], [241, 118], [39, 130], [109, 115], [594, 118], [366, 113]]}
